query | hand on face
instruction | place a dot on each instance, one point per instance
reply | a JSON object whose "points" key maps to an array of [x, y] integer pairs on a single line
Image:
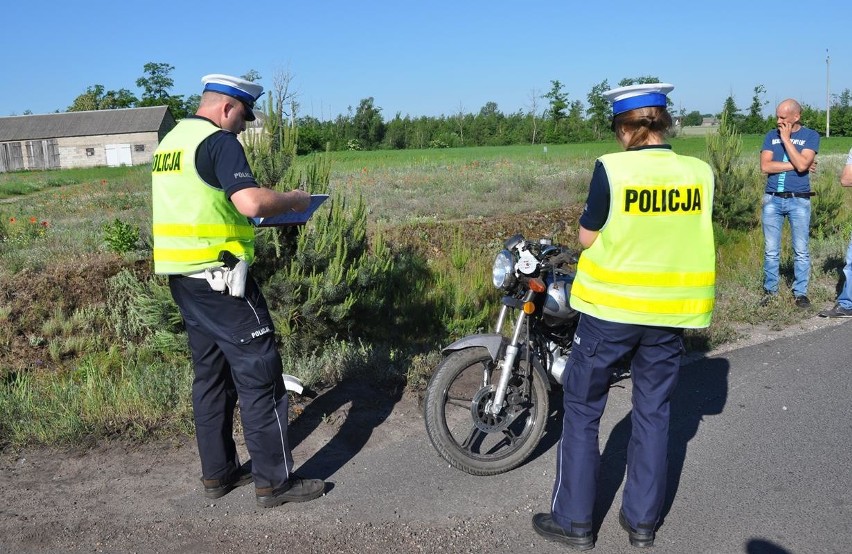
{"points": [[785, 129]]}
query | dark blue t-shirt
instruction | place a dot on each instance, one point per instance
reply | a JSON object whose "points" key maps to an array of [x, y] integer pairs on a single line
{"points": [[221, 163], [789, 181]]}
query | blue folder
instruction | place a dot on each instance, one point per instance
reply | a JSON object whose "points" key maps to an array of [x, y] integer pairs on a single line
{"points": [[291, 218]]}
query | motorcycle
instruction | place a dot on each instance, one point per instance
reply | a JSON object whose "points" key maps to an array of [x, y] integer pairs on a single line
{"points": [[487, 402]]}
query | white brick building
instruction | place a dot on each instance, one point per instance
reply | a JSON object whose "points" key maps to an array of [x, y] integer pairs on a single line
{"points": [[82, 139]]}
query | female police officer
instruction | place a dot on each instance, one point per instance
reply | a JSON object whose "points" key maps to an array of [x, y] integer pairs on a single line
{"points": [[647, 273]]}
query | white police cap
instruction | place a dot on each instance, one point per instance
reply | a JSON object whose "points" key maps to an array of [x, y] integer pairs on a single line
{"points": [[244, 91], [633, 97]]}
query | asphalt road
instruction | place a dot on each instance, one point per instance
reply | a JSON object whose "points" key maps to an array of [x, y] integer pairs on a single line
{"points": [[760, 462]]}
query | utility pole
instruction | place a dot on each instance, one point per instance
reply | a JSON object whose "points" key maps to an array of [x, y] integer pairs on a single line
{"points": [[827, 96]]}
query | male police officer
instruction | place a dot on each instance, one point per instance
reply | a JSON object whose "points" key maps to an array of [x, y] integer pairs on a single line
{"points": [[203, 194], [647, 273]]}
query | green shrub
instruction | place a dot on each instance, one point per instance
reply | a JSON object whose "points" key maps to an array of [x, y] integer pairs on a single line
{"points": [[827, 213], [141, 308], [332, 277], [120, 237], [736, 199]]}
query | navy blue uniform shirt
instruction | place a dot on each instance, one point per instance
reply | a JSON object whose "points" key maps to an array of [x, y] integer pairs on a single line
{"points": [[222, 163]]}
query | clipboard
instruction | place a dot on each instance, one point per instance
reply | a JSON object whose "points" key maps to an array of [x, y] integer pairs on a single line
{"points": [[291, 218]]}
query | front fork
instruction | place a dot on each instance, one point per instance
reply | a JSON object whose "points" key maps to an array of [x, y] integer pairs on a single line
{"points": [[511, 355]]}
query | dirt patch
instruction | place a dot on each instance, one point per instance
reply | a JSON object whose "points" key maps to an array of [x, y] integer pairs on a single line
{"points": [[32, 297], [436, 237], [120, 497]]}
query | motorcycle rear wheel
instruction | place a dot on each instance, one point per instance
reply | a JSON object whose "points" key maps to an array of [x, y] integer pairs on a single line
{"points": [[462, 431]]}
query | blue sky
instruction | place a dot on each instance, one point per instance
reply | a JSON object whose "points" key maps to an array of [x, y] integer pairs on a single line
{"points": [[429, 58]]}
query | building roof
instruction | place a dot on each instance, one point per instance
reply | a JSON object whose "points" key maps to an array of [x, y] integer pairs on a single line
{"points": [[77, 124]]}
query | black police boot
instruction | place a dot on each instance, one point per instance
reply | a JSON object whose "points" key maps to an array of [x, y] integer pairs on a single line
{"points": [[642, 537], [217, 488], [296, 489], [549, 529]]}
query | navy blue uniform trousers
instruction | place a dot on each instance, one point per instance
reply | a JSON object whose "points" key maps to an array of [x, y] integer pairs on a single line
{"points": [[598, 346], [235, 356]]}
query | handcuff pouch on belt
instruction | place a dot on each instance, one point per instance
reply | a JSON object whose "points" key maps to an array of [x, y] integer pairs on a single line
{"points": [[231, 276]]}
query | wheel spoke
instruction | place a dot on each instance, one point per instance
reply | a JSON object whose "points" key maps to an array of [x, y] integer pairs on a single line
{"points": [[474, 439], [510, 437]]}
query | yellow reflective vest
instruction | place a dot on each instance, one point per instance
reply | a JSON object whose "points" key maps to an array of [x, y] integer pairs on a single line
{"points": [[653, 262], [192, 221]]}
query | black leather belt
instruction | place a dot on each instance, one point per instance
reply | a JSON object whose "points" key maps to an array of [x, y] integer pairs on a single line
{"points": [[792, 194]]}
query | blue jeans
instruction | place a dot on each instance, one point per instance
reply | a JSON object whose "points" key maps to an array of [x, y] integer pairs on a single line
{"points": [[845, 297], [798, 212]]}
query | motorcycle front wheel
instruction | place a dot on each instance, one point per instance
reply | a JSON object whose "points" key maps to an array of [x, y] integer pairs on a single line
{"points": [[464, 432]]}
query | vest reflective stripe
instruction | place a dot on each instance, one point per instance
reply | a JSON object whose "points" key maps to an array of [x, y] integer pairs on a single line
{"points": [[663, 306], [202, 230], [192, 221], [661, 279], [210, 252], [653, 262]]}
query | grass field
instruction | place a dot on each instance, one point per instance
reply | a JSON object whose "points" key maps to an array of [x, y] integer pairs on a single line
{"points": [[405, 186], [453, 206]]}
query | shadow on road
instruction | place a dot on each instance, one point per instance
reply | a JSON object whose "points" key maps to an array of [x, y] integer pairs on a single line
{"points": [[552, 426], [702, 390], [762, 546], [355, 408]]}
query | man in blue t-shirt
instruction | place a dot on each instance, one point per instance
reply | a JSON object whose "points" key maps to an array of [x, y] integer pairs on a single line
{"points": [[786, 157]]}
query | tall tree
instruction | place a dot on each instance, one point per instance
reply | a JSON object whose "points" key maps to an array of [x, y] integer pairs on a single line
{"points": [[578, 131], [754, 122], [599, 110], [558, 104], [732, 113], [118, 99], [369, 127], [252, 75], [533, 111], [89, 100], [489, 125], [459, 118], [841, 114], [96, 99], [156, 85]]}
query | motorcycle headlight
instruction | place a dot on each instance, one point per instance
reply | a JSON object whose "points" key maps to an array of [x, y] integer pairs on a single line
{"points": [[503, 271]]}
